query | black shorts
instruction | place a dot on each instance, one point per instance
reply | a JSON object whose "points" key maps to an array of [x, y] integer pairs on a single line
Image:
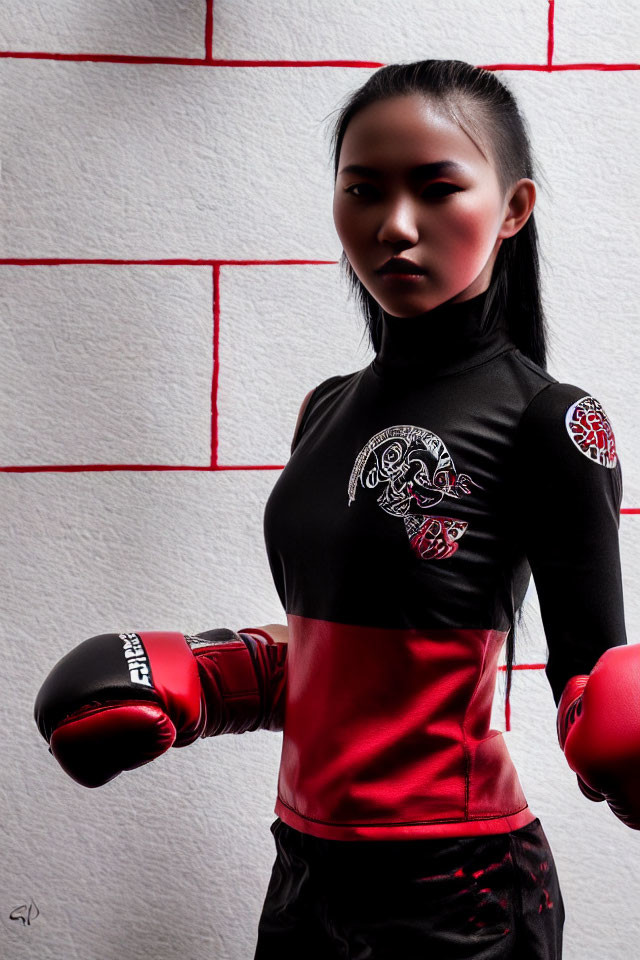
{"points": [[494, 897]]}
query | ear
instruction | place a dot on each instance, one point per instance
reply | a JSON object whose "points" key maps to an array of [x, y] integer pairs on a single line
{"points": [[522, 198]]}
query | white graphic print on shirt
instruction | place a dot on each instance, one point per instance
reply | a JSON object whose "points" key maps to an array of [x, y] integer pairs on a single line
{"points": [[415, 472]]}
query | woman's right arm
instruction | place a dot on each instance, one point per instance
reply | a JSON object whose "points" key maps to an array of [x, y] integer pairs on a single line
{"points": [[277, 631], [118, 701]]}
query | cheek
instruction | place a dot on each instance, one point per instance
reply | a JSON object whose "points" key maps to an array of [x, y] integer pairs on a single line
{"points": [[470, 226], [344, 224]]}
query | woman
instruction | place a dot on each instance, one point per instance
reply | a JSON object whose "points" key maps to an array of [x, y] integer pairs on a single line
{"points": [[421, 493]]}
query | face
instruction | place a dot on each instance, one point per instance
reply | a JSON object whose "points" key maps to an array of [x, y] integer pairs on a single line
{"points": [[450, 221]]}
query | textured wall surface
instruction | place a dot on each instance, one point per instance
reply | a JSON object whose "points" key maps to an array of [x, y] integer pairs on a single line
{"points": [[160, 140]]}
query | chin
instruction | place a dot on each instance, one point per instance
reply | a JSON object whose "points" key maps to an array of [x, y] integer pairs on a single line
{"points": [[402, 308]]}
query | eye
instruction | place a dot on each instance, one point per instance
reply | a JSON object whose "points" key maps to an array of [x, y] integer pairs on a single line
{"points": [[357, 186], [444, 189], [436, 190]]}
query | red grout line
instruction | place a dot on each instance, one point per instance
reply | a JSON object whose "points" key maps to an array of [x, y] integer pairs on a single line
{"points": [[216, 366], [182, 61], [550, 37], [560, 66], [180, 262], [366, 64], [208, 32], [81, 467]]}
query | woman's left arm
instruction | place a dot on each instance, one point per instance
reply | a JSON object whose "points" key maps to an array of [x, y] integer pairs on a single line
{"points": [[569, 485]]}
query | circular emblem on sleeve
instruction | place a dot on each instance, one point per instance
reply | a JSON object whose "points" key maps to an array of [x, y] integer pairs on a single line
{"points": [[590, 429]]}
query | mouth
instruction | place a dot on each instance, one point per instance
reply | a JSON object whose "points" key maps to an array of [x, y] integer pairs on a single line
{"points": [[409, 278], [399, 266]]}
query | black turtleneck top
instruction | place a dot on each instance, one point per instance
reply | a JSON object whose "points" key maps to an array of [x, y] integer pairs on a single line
{"points": [[449, 338], [421, 493]]}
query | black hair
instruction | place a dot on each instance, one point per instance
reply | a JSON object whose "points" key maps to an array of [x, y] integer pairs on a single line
{"points": [[481, 104]]}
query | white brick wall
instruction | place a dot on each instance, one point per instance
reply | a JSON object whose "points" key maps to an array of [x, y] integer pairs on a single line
{"points": [[112, 363]]}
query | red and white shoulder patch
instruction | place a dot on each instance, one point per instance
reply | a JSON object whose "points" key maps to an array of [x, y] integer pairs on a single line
{"points": [[590, 429]]}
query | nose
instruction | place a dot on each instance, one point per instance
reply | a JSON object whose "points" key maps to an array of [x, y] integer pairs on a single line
{"points": [[399, 223]]}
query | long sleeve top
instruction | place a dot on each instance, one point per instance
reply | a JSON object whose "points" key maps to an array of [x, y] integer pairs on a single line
{"points": [[421, 494]]}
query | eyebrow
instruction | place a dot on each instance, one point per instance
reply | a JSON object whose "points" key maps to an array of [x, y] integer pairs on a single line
{"points": [[423, 169]]}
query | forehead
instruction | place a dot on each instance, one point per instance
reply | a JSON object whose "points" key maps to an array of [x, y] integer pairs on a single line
{"points": [[403, 132]]}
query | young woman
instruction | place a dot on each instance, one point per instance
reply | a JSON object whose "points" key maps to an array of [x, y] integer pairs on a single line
{"points": [[421, 493]]}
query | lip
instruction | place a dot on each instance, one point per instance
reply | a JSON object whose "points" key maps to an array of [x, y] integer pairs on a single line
{"points": [[407, 278], [388, 268]]}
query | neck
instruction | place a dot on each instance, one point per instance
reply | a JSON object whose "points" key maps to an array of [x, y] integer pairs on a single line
{"points": [[448, 338]]}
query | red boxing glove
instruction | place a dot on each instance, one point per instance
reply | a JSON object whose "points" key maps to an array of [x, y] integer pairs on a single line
{"points": [[243, 677], [598, 728], [118, 701]]}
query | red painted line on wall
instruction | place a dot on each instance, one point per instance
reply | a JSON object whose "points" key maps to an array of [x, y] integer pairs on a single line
{"points": [[365, 64], [208, 32], [174, 262], [181, 61], [560, 66], [550, 35], [141, 467], [216, 366]]}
